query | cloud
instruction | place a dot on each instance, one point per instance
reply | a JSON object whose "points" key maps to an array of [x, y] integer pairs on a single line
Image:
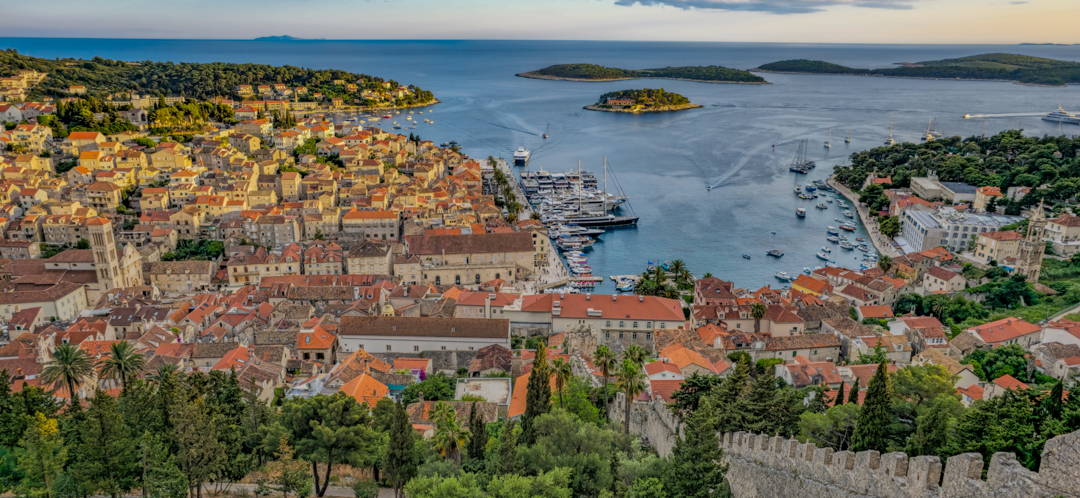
{"points": [[1017, 3], [773, 6]]}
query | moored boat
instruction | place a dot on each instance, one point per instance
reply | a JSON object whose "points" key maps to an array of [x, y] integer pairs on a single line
{"points": [[823, 256], [776, 253], [848, 226], [800, 212]]}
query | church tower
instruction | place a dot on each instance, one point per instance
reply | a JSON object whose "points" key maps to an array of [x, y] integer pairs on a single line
{"points": [[104, 246], [1030, 255]]}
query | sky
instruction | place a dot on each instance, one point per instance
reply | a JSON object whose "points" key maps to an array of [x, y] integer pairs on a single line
{"points": [[788, 21]]}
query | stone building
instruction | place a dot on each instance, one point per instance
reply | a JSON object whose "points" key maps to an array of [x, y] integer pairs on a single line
{"points": [[182, 277], [465, 259]]}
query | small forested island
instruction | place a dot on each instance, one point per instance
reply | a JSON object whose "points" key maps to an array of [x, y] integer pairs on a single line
{"points": [[104, 78], [642, 100], [593, 72], [1002, 67]]}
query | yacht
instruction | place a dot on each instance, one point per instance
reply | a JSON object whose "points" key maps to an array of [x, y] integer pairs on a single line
{"points": [[834, 239], [1060, 116], [889, 140], [847, 245], [782, 275], [800, 164], [521, 156], [828, 143]]}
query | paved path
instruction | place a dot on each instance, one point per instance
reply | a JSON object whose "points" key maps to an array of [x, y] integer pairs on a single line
{"points": [[336, 491], [881, 243]]}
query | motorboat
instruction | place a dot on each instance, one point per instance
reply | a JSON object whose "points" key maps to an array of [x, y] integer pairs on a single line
{"points": [[800, 212], [807, 271], [746, 256], [625, 285], [860, 239], [798, 189], [832, 231], [849, 214], [823, 256], [829, 200], [776, 253], [810, 188], [848, 226], [833, 239], [782, 275], [847, 245], [521, 155], [822, 205], [826, 249]]}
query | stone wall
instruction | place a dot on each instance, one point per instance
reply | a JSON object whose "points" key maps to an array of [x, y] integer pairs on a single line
{"points": [[652, 420], [762, 466], [527, 331], [440, 360]]}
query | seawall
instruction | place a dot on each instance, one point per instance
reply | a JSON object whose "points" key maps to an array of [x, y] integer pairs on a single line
{"points": [[762, 466]]}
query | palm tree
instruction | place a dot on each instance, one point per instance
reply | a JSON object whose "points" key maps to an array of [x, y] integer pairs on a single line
{"points": [[758, 311], [631, 383], [123, 363], [561, 369], [70, 365], [884, 262], [937, 308], [604, 359], [450, 435], [635, 354], [164, 372], [677, 268]]}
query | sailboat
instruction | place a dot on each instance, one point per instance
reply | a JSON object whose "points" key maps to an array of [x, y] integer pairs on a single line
{"points": [[848, 139], [800, 164], [828, 143], [928, 137], [889, 141]]}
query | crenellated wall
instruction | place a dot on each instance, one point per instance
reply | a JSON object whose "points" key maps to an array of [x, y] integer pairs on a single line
{"points": [[760, 466]]}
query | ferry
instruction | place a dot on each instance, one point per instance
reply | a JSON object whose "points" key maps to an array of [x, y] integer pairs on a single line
{"points": [[800, 212], [1060, 116], [776, 253], [521, 156]]}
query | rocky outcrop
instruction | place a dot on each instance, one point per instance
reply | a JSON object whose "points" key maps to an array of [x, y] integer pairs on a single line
{"points": [[760, 466]]}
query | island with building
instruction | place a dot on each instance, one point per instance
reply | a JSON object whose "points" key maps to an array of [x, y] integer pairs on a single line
{"points": [[998, 66], [593, 72], [642, 100]]}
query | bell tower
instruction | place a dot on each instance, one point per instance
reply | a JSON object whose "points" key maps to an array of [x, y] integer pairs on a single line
{"points": [[104, 246], [1030, 256]]}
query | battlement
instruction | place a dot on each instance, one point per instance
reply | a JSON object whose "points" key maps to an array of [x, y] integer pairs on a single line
{"points": [[761, 466]]}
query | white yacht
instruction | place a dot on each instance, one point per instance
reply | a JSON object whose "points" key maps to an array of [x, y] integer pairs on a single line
{"points": [[521, 156], [1060, 116]]}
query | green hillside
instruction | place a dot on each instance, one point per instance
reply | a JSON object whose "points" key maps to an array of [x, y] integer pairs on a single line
{"points": [[601, 73], [1011, 67]]}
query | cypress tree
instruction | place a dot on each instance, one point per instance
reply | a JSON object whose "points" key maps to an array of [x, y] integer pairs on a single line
{"points": [[1054, 402], [538, 395], [931, 432], [876, 415], [400, 463], [479, 434], [839, 395], [508, 449]]}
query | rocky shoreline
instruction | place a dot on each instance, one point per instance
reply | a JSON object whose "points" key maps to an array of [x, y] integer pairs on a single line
{"points": [[759, 70], [596, 107]]}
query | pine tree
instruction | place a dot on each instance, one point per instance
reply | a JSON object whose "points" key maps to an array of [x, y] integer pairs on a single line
{"points": [[694, 468], [721, 401], [931, 431], [508, 449], [1054, 401], [839, 395], [538, 394], [43, 456], [875, 416], [400, 463], [758, 406], [9, 434], [104, 459]]}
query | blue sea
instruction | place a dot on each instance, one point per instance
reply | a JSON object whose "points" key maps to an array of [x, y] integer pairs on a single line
{"points": [[664, 162]]}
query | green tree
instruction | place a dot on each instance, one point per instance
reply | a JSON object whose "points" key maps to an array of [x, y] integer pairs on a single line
{"points": [[479, 438], [604, 360], [122, 362], [400, 462], [757, 312], [199, 454], [329, 430], [161, 477], [691, 392], [832, 429], [538, 394], [694, 468], [647, 488], [465, 486], [884, 263], [631, 382], [450, 434], [840, 394], [552, 484], [70, 365], [507, 462], [286, 474], [319, 235], [876, 415], [104, 458], [43, 456], [437, 387], [82, 244], [561, 369], [889, 226], [933, 427]]}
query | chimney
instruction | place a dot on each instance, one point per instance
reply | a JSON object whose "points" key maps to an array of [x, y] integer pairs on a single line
{"points": [[588, 297], [614, 297], [487, 305], [641, 299], [421, 398]]}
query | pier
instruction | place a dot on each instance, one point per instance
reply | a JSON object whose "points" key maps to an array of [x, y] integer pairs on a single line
{"points": [[883, 245]]}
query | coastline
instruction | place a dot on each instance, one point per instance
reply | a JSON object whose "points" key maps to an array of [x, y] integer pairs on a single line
{"points": [[882, 247], [759, 70], [595, 107], [537, 76]]}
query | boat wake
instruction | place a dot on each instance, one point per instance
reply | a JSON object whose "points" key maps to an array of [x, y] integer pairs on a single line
{"points": [[1008, 115]]}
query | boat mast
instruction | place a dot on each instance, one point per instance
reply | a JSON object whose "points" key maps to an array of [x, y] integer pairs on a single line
{"points": [[605, 185], [579, 187]]}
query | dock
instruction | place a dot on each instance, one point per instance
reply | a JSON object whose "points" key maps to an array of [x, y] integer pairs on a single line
{"points": [[592, 278], [616, 278]]}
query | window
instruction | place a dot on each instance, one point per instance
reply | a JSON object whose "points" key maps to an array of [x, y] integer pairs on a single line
{"points": [[470, 348], [388, 348], [634, 336], [608, 323], [607, 336], [793, 353], [635, 325], [444, 348], [622, 324], [648, 325], [620, 335], [663, 325], [361, 346], [416, 348]]}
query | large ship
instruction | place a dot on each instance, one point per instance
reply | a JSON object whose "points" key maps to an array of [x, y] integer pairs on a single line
{"points": [[1060, 116], [521, 156], [800, 164]]}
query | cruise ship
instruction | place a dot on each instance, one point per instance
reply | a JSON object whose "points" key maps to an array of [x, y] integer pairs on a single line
{"points": [[521, 156], [1060, 116]]}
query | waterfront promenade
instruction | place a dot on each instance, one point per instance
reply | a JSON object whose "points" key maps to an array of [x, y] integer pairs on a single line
{"points": [[882, 243]]}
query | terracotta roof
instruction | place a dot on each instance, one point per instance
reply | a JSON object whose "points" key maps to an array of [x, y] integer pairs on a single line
{"points": [[864, 372], [802, 342], [812, 284], [941, 273], [663, 389], [974, 391], [661, 366], [319, 339], [424, 327], [683, 357], [412, 363], [1007, 235], [482, 243], [1009, 382], [876, 311], [518, 399], [1003, 330], [1067, 221], [365, 389]]}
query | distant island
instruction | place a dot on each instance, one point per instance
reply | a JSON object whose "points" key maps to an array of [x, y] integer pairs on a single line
{"points": [[1000, 67], [641, 100], [593, 72], [284, 38]]}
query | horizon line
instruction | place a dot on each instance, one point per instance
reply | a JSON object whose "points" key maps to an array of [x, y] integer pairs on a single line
{"points": [[301, 40]]}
